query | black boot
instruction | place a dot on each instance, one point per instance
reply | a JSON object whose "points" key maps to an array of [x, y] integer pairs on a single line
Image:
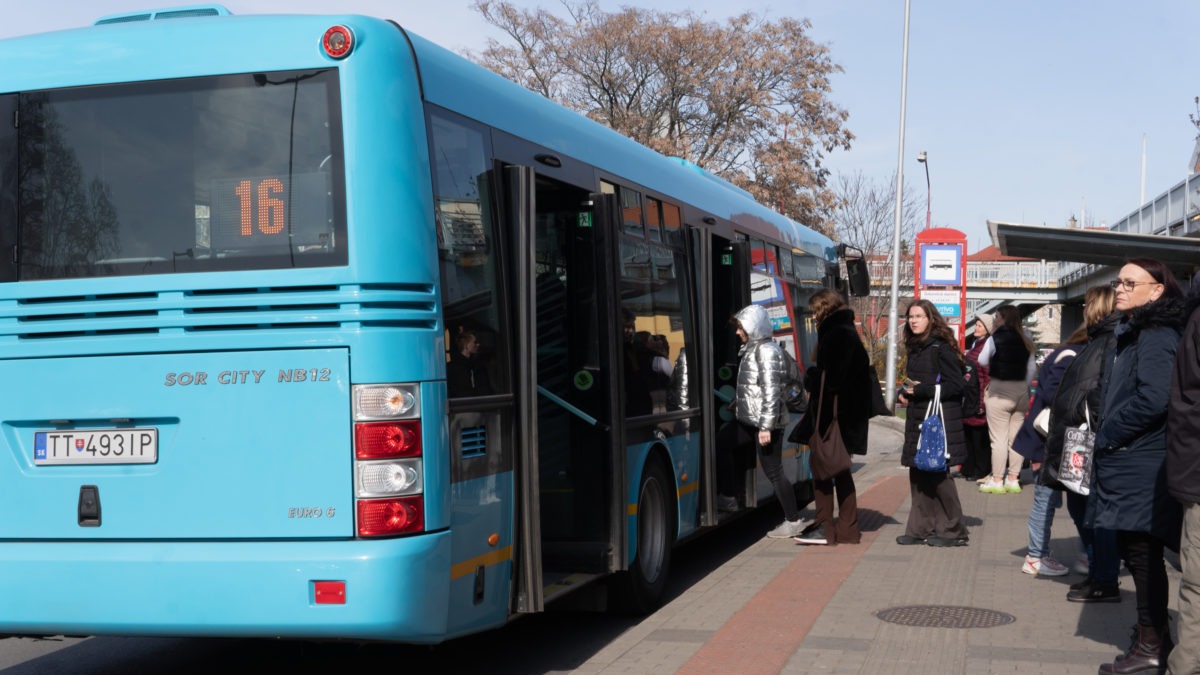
{"points": [[1147, 654]]}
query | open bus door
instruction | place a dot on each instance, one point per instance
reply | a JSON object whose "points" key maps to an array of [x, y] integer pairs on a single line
{"points": [[730, 265], [567, 455]]}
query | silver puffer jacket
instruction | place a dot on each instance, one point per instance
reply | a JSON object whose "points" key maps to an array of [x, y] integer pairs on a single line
{"points": [[761, 373]]}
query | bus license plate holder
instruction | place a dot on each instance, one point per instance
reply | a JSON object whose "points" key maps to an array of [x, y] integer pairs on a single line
{"points": [[96, 446]]}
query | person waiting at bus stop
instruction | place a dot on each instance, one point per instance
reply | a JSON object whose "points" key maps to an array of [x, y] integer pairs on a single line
{"points": [[760, 407]]}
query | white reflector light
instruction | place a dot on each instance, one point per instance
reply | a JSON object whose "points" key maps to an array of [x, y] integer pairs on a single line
{"points": [[385, 401], [385, 479]]}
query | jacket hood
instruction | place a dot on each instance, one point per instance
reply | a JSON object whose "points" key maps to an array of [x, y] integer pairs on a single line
{"points": [[755, 322], [1104, 326], [838, 317]]}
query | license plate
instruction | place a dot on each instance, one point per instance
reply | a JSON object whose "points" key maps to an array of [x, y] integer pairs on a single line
{"points": [[96, 446]]}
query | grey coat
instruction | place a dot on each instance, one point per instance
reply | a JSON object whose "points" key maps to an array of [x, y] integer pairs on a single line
{"points": [[761, 373]]}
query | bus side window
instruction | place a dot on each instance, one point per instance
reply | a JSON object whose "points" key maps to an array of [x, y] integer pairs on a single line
{"points": [[466, 228]]}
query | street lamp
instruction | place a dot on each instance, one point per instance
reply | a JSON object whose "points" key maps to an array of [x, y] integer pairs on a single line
{"points": [[924, 159]]}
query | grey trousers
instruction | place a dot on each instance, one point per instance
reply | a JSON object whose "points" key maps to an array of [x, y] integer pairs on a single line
{"points": [[1185, 658]]}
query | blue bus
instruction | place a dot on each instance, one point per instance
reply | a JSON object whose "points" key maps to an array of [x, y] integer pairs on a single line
{"points": [[311, 328]]}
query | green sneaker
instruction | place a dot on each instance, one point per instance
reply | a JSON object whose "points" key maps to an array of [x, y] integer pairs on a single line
{"points": [[1013, 486]]}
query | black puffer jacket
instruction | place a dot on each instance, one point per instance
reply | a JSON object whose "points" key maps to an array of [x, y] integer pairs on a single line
{"points": [[1130, 487], [1080, 383], [926, 361]]}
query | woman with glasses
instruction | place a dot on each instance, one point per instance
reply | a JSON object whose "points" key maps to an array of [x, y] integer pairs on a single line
{"points": [[935, 517], [1008, 356], [1129, 491]]}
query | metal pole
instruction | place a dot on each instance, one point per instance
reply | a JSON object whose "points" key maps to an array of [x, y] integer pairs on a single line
{"points": [[928, 193], [893, 313]]}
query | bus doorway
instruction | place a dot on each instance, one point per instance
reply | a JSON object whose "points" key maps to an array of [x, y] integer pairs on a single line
{"points": [[569, 464]]}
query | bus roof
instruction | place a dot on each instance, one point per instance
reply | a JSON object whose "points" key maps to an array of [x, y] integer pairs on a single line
{"points": [[448, 80], [455, 83]]}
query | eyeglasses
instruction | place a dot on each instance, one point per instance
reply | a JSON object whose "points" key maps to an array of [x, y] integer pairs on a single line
{"points": [[1128, 286]]}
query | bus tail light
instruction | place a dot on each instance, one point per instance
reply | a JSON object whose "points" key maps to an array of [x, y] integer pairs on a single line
{"points": [[389, 469], [385, 440], [338, 41], [387, 517], [385, 479]]}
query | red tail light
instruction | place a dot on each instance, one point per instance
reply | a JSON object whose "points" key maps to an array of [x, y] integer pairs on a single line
{"points": [[384, 517], [387, 440]]}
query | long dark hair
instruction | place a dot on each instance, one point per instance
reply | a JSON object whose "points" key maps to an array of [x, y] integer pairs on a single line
{"points": [[1161, 274], [938, 328]]}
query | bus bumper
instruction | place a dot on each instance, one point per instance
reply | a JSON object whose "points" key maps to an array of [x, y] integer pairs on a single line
{"points": [[396, 589]]}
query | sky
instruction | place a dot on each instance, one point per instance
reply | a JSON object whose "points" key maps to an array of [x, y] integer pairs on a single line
{"points": [[1030, 111]]}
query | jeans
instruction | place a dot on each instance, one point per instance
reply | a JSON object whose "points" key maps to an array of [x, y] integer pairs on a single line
{"points": [[1104, 563], [1041, 517]]}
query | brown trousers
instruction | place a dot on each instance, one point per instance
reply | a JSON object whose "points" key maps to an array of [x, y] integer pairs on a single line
{"points": [[846, 529]]}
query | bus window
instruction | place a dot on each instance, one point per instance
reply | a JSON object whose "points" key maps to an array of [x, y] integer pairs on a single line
{"points": [[233, 172], [467, 257], [653, 219]]}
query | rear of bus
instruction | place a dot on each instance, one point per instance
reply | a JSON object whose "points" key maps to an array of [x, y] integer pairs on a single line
{"points": [[221, 358]]}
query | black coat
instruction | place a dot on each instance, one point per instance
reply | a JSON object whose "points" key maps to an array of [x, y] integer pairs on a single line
{"points": [[1130, 486], [1183, 417], [1080, 384], [848, 376], [926, 361]]}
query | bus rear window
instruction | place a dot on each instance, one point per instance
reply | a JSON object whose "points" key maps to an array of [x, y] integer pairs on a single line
{"points": [[236, 172]]}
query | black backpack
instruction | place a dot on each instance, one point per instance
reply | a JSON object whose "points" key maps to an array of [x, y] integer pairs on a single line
{"points": [[794, 395]]}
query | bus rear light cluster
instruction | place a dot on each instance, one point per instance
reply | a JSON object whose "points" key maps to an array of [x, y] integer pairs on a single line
{"points": [[389, 473], [389, 517]]}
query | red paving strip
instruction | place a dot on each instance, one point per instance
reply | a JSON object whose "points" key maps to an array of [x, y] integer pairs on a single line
{"points": [[765, 633]]}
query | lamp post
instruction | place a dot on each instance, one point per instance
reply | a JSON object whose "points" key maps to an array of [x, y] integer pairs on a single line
{"points": [[924, 159]]}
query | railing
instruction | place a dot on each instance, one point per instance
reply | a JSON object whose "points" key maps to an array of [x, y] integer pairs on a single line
{"points": [[1175, 212], [998, 274]]}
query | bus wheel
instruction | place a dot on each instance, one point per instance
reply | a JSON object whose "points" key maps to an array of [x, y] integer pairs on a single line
{"points": [[640, 589]]}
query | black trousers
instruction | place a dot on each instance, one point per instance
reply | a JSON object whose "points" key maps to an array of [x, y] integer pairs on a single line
{"points": [[1143, 556], [935, 509]]}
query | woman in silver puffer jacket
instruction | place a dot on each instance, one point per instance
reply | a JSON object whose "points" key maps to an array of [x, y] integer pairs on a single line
{"points": [[760, 407]]}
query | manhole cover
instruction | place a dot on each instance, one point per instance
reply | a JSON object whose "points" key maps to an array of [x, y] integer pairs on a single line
{"points": [[943, 616]]}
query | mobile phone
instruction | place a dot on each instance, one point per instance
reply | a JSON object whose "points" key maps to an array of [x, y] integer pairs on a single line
{"points": [[909, 383]]}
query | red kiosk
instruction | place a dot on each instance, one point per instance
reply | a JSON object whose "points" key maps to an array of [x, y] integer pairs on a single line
{"points": [[941, 275]]}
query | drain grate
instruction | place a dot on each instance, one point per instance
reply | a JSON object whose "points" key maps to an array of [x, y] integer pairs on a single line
{"points": [[945, 616]]}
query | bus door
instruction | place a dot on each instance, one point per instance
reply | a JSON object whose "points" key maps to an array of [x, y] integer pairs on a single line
{"points": [[730, 292], [565, 344]]}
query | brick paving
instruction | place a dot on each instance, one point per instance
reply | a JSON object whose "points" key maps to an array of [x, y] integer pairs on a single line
{"points": [[777, 607]]}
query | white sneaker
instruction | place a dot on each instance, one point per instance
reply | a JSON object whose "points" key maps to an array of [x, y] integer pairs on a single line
{"points": [[1045, 567], [992, 487], [787, 529]]}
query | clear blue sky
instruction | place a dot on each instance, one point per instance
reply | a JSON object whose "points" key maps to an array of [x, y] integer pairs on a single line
{"points": [[1031, 111]]}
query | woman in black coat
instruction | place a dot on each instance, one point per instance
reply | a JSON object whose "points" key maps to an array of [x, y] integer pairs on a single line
{"points": [[933, 359], [1129, 492], [842, 359], [1079, 393]]}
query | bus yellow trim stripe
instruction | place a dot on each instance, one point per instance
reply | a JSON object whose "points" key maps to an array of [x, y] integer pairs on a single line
{"points": [[466, 567]]}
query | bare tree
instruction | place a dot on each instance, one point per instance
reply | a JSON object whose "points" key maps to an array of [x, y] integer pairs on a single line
{"points": [[865, 217], [747, 100]]}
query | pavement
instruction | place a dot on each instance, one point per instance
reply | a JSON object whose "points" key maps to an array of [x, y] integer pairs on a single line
{"points": [[878, 607]]}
